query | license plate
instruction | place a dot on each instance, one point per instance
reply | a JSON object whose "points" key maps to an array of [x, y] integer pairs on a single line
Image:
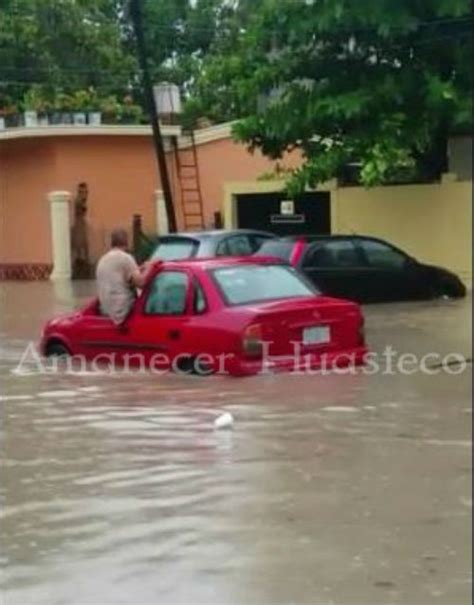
{"points": [[316, 335]]}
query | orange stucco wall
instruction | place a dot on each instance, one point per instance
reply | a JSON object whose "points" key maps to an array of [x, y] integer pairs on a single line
{"points": [[121, 172], [27, 171], [224, 160], [122, 177]]}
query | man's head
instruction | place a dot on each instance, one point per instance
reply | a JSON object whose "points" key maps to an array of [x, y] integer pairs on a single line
{"points": [[119, 239]]}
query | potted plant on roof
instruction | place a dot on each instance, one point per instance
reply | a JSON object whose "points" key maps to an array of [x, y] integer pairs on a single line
{"points": [[7, 110], [43, 109], [80, 105], [36, 106], [55, 112], [66, 104], [29, 102], [3, 115], [130, 112], [60, 109], [110, 109], [92, 107], [12, 116]]}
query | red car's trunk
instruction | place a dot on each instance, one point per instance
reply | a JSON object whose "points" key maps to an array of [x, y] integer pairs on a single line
{"points": [[316, 324]]}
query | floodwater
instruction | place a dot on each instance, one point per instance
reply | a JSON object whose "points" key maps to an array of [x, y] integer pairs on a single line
{"points": [[351, 489]]}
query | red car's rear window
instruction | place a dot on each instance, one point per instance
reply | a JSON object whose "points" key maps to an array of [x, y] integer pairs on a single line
{"points": [[244, 284]]}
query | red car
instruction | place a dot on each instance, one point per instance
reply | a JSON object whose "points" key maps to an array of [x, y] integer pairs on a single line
{"points": [[227, 315]]}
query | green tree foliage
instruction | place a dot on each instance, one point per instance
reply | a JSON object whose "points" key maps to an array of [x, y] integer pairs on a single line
{"points": [[62, 44], [182, 35], [178, 34], [380, 83], [77, 44]]}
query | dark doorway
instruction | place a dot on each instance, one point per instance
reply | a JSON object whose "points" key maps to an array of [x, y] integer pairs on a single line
{"points": [[311, 213]]}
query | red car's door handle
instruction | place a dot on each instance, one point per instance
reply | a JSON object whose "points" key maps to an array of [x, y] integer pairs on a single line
{"points": [[174, 334]]}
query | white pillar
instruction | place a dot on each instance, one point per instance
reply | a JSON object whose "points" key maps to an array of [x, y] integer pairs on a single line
{"points": [[162, 226], [60, 233], [63, 290]]}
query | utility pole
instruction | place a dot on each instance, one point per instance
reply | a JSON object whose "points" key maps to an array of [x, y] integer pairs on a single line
{"points": [[135, 8]]}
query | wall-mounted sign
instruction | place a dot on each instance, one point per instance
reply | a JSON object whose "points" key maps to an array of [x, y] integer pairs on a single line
{"points": [[287, 218], [287, 207]]}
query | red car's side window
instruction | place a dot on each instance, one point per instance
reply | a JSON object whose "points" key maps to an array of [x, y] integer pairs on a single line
{"points": [[168, 294]]}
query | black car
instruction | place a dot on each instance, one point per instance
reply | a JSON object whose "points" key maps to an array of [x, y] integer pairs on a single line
{"points": [[365, 269], [240, 242]]}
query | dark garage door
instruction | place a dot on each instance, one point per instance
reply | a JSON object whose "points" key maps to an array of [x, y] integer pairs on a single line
{"points": [[312, 213]]}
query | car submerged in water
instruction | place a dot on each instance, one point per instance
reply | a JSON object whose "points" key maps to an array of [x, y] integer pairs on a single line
{"points": [[223, 315], [365, 269]]}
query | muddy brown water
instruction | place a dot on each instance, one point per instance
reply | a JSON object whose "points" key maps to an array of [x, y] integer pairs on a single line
{"points": [[350, 489]]}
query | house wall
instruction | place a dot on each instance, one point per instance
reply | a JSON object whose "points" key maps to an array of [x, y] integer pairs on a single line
{"points": [[223, 161], [27, 173], [122, 176], [432, 222]]}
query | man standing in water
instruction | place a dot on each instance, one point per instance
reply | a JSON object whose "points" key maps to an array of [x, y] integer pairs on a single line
{"points": [[118, 276]]}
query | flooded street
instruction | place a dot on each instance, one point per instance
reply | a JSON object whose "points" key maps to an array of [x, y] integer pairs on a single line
{"points": [[350, 489]]}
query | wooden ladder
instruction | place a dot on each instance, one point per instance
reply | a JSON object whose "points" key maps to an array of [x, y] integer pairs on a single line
{"points": [[190, 185]]}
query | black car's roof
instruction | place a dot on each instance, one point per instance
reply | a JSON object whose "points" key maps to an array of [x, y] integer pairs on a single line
{"points": [[292, 239], [314, 238], [213, 234]]}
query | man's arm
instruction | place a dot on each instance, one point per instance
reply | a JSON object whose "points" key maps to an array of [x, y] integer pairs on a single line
{"points": [[139, 275]]}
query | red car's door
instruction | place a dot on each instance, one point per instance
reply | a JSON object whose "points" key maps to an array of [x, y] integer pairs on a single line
{"points": [[98, 338], [159, 328]]}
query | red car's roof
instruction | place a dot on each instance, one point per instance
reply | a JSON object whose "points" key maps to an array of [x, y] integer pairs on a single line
{"points": [[221, 261]]}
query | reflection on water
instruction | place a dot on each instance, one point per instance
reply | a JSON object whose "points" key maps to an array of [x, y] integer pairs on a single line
{"points": [[343, 489]]}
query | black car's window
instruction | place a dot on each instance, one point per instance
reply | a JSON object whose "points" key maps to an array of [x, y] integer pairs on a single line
{"points": [[167, 294], [335, 254], [278, 248], [383, 256], [175, 249], [199, 303], [236, 245]]}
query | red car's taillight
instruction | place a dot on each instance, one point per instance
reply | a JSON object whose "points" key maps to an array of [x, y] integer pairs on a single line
{"points": [[252, 341]]}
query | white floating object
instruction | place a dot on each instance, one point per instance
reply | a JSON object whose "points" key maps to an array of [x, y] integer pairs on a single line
{"points": [[57, 394], [224, 421], [339, 408], [15, 397]]}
